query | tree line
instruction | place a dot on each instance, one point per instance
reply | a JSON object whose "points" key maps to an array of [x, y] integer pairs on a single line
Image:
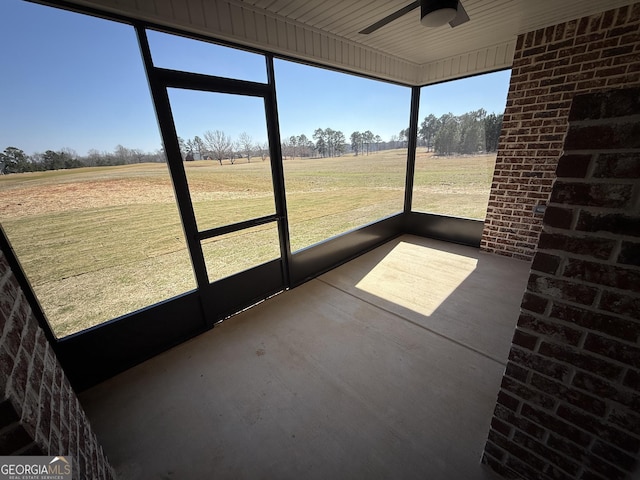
{"points": [[333, 143], [366, 141], [324, 142], [217, 145], [470, 133], [15, 160]]}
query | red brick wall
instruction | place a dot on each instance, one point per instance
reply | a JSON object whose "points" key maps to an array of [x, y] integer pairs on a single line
{"points": [[550, 66], [569, 403], [39, 411]]}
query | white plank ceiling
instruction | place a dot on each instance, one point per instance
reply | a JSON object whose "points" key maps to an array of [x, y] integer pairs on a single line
{"points": [[326, 31]]}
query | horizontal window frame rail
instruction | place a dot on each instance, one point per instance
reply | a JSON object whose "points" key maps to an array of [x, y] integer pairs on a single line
{"points": [[210, 83], [236, 227]]}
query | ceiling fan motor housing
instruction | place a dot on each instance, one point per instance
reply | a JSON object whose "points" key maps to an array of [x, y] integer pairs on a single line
{"points": [[435, 13]]}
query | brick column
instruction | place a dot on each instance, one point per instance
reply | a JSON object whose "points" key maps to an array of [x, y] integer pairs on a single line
{"points": [[569, 404], [550, 67], [39, 411]]}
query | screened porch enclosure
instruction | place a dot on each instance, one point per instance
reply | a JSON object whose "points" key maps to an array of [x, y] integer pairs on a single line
{"points": [[129, 258]]}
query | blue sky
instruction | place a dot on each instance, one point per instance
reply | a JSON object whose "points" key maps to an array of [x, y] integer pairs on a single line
{"points": [[73, 81]]}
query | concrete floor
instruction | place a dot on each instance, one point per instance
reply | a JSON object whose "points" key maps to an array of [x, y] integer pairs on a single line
{"points": [[386, 367]]}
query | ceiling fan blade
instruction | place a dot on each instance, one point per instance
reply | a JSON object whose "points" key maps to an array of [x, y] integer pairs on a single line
{"points": [[391, 18], [460, 18]]}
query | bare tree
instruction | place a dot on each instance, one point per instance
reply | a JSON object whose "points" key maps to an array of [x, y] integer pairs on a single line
{"points": [[138, 155], [218, 144], [264, 150], [235, 151], [123, 155], [246, 145], [285, 147]]}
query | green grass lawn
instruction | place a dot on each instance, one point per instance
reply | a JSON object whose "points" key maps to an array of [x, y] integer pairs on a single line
{"points": [[97, 243]]}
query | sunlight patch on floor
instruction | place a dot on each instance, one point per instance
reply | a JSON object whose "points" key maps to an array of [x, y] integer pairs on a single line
{"points": [[417, 278]]}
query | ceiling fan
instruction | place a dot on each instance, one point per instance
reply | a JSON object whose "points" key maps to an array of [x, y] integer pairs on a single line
{"points": [[433, 13]]}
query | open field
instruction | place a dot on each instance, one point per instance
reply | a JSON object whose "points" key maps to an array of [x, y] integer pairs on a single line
{"points": [[456, 186], [97, 243]]}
